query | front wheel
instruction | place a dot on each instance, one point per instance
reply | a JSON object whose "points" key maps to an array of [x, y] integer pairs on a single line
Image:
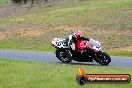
{"points": [[64, 56], [103, 58]]}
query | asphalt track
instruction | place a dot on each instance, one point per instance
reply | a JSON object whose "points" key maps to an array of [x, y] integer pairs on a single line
{"points": [[50, 57]]}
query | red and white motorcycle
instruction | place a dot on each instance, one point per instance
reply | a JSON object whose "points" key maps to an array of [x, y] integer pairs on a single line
{"points": [[87, 51]]}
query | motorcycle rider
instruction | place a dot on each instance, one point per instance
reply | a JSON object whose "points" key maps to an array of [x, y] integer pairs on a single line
{"points": [[76, 37]]}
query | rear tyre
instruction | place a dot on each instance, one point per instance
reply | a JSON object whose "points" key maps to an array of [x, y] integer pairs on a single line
{"points": [[103, 58], [64, 56]]}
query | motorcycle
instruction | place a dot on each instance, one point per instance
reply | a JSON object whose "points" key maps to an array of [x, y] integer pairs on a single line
{"points": [[86, 51]]}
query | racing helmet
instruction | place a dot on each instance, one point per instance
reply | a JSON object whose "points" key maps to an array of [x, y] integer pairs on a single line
{"points": [[77, 34]]}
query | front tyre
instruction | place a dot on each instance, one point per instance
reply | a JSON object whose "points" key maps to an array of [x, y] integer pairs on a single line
{"points": [[64, 56], [103, 58]]}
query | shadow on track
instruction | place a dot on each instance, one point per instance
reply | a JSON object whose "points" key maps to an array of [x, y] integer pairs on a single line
{"points": [[81, 63]]}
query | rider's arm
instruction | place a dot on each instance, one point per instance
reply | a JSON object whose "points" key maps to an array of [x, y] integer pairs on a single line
{"points": [[71, 42]]}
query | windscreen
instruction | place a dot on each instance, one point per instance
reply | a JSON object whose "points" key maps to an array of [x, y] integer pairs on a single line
{"points": [[92, 42]]}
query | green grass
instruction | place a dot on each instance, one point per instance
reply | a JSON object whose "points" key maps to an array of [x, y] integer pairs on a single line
{"points": [[21, 74], [121, 53], [4, 2], [111, 14], [27, 43], [18, 46]]}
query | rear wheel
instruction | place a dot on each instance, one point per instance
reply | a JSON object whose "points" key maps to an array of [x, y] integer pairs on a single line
{"points": [[64, 56], [103, 58]]}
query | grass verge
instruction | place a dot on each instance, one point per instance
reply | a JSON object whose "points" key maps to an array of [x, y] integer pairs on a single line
{"points": [[4, 2], [121, 53], [21, 74], [44, 47]]}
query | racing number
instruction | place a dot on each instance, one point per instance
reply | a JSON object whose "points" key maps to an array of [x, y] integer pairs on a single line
{"points": [[64, 44]]}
